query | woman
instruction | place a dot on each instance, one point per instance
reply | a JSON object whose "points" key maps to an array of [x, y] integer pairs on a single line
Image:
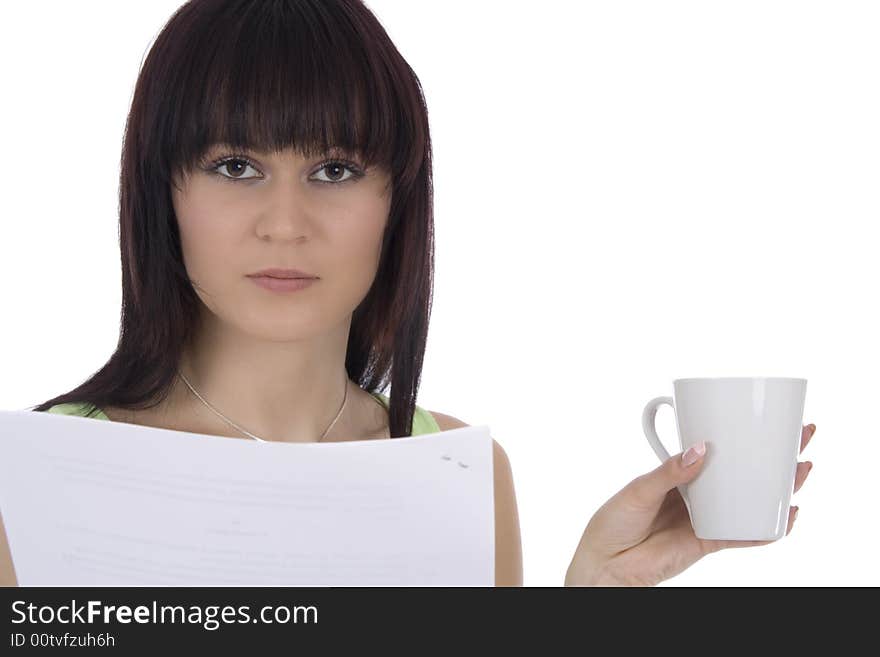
{"points": [[269, 136]]}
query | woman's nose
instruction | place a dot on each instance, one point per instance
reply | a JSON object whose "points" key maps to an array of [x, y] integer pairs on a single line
{"points": [[287, 215]]}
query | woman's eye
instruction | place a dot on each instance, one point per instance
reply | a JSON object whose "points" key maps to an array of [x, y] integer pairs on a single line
{"points": [[338, 170], [233, 165]]}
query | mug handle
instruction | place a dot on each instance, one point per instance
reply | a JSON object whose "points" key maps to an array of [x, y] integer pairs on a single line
{"points": [[650, 429]]}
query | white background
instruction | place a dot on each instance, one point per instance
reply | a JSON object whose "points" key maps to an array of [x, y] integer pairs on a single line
{"points": [[626, 193]]}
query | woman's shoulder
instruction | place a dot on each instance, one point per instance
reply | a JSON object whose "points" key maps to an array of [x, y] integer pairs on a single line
{"points": [[82, 409], [446, 422], [425, 421]]}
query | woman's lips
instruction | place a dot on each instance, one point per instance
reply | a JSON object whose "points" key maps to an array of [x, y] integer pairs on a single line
{"points": [[282, 284]]}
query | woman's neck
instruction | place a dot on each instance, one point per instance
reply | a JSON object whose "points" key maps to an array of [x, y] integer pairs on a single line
{"points": [[285, 391]]}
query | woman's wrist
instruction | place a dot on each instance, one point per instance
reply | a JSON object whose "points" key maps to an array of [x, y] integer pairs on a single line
{"points": [[585, 570]]}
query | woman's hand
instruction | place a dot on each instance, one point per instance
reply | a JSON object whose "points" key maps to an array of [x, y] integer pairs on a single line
{"points": [[643, 534]]}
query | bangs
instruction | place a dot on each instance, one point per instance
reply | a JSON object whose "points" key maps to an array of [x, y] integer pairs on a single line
{"points": [[277, 74]]}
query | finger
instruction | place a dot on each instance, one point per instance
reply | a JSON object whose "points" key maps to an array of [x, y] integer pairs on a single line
{"points": [[710, 546], [649, 490], [807, 433], [792, 515], [803, 469]]}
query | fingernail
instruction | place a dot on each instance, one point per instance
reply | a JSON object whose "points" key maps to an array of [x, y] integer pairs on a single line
{"points": [[796, 509], [812, 428], [809, 465], [694, 453]]}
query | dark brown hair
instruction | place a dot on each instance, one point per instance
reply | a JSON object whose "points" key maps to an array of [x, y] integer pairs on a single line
{"points": [[267, 75]]}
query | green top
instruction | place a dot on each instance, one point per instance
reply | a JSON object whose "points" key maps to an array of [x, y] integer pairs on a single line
{"points": [[423, 421]]}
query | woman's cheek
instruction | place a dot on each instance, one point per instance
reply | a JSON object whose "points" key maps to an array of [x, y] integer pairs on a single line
{"points": [[360, 262], [210, 264]]}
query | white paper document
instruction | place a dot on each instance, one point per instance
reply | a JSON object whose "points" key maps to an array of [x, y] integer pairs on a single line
{"points": [[89, 502]]}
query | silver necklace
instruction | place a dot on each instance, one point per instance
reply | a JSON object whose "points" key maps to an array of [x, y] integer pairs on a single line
{"points": [[248, 433]]}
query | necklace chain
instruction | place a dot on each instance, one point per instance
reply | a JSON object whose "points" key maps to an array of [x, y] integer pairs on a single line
{"points": [[248, 433]]}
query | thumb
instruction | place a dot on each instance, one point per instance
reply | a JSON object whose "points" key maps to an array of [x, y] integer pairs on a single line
{"points": [[685, 466], [651, 488]]}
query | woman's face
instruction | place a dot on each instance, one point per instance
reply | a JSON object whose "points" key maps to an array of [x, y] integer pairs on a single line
{"points": [[318, 215]]}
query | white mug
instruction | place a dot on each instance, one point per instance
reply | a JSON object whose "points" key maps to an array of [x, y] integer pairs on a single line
{"points": [[752, 429]]}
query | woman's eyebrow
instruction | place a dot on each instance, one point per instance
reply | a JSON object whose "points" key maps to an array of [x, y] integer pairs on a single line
{"points": [[214, 150], [222, 146], [334, 151]]}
